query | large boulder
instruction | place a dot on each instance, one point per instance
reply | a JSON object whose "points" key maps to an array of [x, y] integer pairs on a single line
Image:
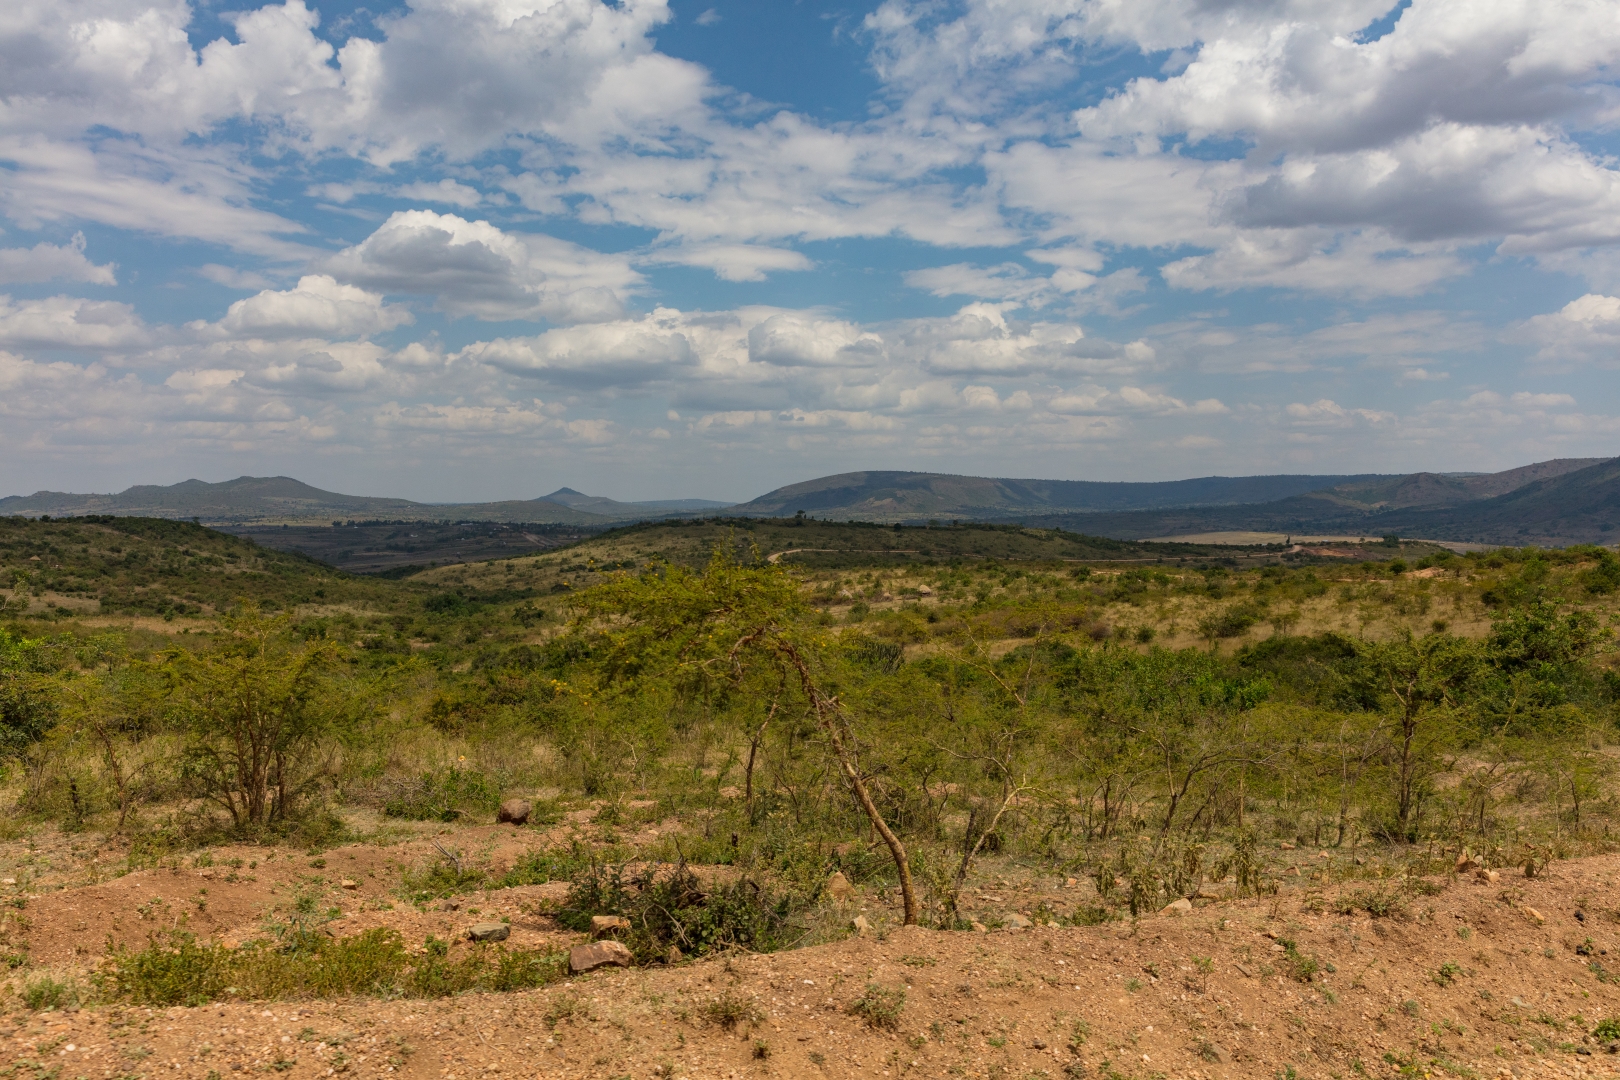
{"points": [[515, 811], [489, 931], [582, 958]]}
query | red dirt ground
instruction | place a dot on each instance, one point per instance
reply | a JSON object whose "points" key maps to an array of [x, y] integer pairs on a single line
{"points": [[1519, 1000]]}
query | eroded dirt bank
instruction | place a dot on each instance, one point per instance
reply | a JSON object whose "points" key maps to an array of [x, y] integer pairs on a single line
{"points": [[1503, 978]]}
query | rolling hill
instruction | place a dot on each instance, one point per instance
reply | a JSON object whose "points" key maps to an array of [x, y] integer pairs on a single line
{"points": [[917, 496]]}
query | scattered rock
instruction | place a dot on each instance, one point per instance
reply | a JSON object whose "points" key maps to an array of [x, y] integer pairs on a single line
{"points": [[1286, 846], [1292, 871], [730, 792], [1206, 893], [450, 905], [1069, 883], [674, 956], [978, 927], [597, 954], [1015, 921], [1465, 863], [1324, 855], [1536, 915], [839, 888], [489, 931], [1580, 916], [1487, 877], [1218, 1053], [1037, 1044], [861, 925], [924, 590], [606, 924], [349, 883], [1243, 971], [515, 811], [1179, 906]]}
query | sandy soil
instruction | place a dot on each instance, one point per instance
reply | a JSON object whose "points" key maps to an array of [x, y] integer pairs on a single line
{"points": [[1119, 999]]}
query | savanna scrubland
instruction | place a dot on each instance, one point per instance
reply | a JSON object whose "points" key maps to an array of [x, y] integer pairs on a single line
{"points": [[1223, 776]]}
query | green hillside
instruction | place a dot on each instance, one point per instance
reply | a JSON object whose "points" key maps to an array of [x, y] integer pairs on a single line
{"points": [[143, 566], [917, 496]]}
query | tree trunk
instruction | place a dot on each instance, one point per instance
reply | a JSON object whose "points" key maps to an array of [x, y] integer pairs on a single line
{"points": [[829, 715]]}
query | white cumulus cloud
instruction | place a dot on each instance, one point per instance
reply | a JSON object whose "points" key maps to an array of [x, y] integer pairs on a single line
{"points": [[474, 268]]}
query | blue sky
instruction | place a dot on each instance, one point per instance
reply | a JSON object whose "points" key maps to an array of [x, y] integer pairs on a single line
{"points": [[478, 249]]}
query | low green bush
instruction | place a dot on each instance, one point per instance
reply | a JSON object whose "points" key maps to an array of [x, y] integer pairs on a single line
{"points": [[880, 1007], [47, 993], [669, 906], [443, 795]]}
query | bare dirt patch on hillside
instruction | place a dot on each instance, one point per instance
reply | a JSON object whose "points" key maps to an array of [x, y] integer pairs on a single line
{"points": [[1459, 977]]}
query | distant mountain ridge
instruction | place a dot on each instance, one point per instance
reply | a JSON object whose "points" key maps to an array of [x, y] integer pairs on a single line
{"points": [[1552, 503], [276, 499], [1562, 501], [596, 504]]}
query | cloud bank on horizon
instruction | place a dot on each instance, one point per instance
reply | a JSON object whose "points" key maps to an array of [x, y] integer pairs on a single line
{"points": [[458, 249]]}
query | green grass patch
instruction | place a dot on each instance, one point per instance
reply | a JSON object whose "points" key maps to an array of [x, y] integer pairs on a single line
{"points": [[177, 970]]}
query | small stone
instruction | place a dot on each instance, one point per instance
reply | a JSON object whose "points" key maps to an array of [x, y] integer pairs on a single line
{"points": [[1069, 883], [1323, 855], [1015, 921], [839, 888], [1536, 915], [978, 927], [861, 925], [1292, 871], [924, 590], [583, 958], [1037, 1044], [1465, 863], [1179, 906], [1286, 846], [488, 931], [349, 883], [607, 924], [1218, 1052], [1487, 877], [515, 811], [8, 881]]}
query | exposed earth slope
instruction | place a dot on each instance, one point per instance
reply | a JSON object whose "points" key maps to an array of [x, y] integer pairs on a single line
{"points": [[1461, 976]]}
